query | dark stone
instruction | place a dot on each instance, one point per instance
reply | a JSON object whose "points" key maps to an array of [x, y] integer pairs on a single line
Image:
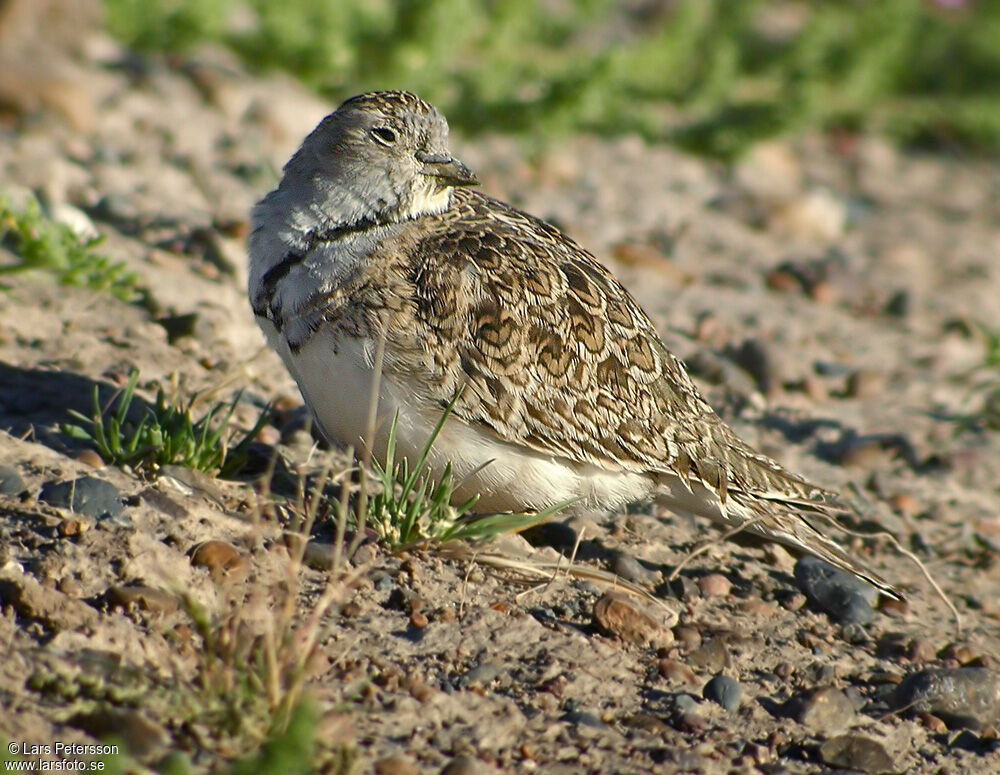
{"points": [[725, 691], [86, 495], [845, 598], [854, 752], [962, 697], [11, 482]]}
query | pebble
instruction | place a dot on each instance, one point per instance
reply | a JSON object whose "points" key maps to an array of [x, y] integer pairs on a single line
{"points": [[11, 482], [86, 495], [845, 598], [714, 585], [758, 359], [481, 675], [725, 691], [920, 650], [962, 697], [826, 710], [687, 636], [865, 383], [224, 563], [712, 656], [418, 620], [685, 703], [677, 672], [630, 569], [90, 458], [855, 752], [143, 598], [395, 765], [461, 765], [619, 616]]}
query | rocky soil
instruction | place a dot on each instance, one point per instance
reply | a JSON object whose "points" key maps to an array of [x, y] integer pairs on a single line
{"points": [[828, 296]]}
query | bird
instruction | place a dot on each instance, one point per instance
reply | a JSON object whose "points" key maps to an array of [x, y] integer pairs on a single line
{"points": [[378, 271]]}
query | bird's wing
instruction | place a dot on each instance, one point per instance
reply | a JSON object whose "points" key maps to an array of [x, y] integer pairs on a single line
{"points": [[557, 355]]}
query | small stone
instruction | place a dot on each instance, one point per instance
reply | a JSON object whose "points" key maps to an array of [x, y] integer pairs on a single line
{"points": [[826, 710], [395, 765], [784, 670], [758, 359], [905, 505], [72, 527], [962, 697], [90, 458], [685, 703], [318, 555], [677, 672], [418, 620], [783, 281], [842, 596], [687, 636], [794, 602], [11, 482], [712, 656], [725, 691], [898, 609], [55, 609], [461, 765], [714, 585], [823, 292], [855, 752], [143, 598], [351, 610], [959, 652], [86, 495], [932, 723], [815, 388], [619, 616], [481, 675], [71, 587], [224, 563], [418, 690], [630, 569], [920, 650], [865, 383]]}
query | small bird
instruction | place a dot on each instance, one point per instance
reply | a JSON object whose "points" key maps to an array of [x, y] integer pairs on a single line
{"points": [[376, 241]]}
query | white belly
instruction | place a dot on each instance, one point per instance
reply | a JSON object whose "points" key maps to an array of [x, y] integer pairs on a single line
{"points": [[506, 477]]}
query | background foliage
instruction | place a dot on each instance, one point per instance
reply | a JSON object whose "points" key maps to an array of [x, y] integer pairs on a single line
{"points": [[711, 75]]}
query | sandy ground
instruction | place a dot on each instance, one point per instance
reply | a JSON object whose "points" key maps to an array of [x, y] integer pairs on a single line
{"points": [[825, 293]]}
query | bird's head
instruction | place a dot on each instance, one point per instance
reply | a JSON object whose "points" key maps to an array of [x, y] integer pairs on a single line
{"points": [[381, 156]]}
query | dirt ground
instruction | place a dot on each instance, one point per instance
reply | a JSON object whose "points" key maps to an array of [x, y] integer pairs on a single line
{"points": [[826, 293]]}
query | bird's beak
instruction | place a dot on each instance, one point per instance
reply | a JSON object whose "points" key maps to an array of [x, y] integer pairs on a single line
{"points": [[449, 171]]}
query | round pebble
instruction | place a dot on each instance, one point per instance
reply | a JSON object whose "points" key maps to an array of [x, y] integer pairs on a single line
{"points": [[725, 691], [856, 752], [962, 697], [86, 495], [714, 585], [224, 563], [845, 598], [11, 482], [826, 710]]}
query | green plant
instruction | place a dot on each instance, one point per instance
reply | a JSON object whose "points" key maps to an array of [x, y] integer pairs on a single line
{"points": [[44, 245], [986, 392], [164, 434], [412, 507], [711, 75]]}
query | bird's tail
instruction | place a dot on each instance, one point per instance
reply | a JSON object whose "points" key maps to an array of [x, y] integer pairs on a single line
{"points": [[791, 525]]}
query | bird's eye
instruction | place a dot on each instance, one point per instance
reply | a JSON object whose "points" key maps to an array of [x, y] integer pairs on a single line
{"points": [[384, 135]]}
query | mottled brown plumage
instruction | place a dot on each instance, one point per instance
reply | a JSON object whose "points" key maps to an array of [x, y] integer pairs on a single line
{"points": [[561, 377]]}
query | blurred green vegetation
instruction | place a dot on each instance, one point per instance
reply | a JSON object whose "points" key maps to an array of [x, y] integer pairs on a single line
{"points": [[711, 75]]}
